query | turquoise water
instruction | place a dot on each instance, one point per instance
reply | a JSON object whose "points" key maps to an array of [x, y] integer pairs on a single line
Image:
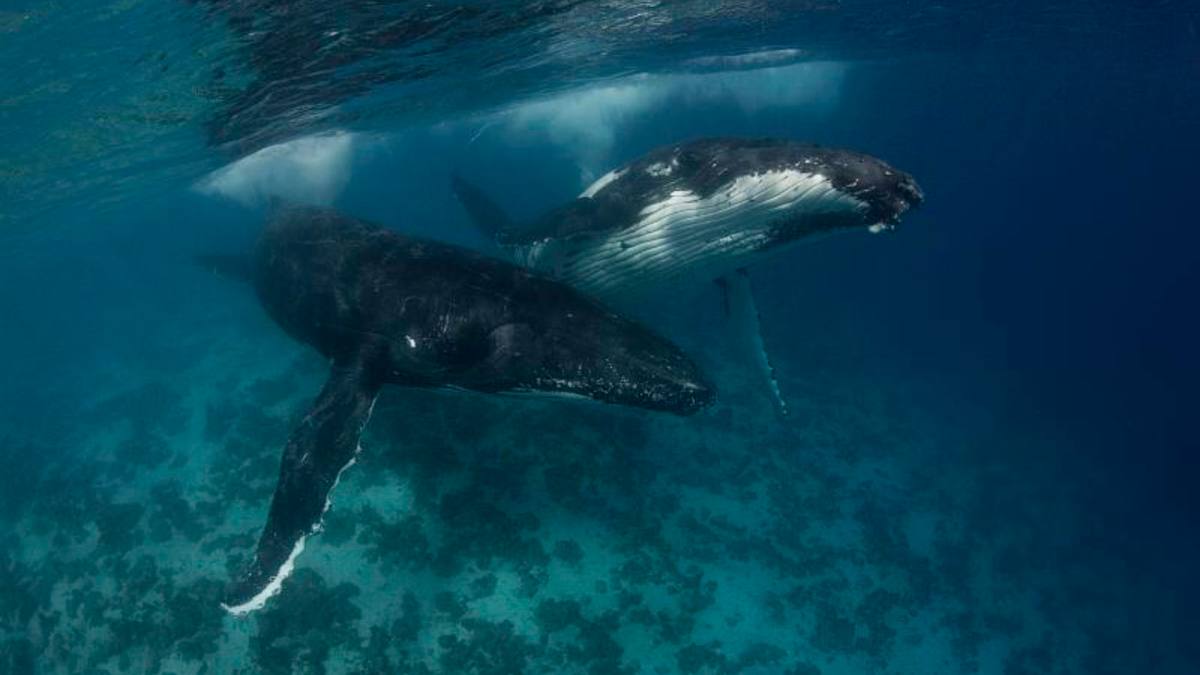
{"points": [[989, 466]]}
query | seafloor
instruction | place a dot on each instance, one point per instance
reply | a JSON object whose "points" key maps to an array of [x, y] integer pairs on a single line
{"points": [[885, 528]]}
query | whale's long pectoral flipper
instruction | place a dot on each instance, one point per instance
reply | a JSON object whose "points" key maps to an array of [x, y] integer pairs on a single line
{"points": [[321, 447], [743, 315]]}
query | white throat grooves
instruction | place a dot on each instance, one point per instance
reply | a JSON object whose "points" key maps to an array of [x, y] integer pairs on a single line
{"points": [[686, 233]]}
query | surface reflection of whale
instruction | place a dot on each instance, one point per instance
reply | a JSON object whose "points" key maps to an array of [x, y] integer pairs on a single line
{"points": [[701, 210], [388, 309]]}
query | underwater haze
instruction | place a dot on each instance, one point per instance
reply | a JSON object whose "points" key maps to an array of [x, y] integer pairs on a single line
{"points": [[989, 465]]}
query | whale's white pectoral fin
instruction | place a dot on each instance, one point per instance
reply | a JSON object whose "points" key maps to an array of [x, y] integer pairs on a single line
{"points": [[323, 446], [743, 316]]}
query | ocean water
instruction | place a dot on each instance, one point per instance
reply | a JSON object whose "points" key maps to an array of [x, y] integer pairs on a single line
{"points": [[990, 462]]}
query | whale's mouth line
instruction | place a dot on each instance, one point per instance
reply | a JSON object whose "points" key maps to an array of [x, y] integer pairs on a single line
{"points": [[891, 220]]}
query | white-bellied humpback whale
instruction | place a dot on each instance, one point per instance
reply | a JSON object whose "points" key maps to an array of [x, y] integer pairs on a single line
{"points": [[389, 309], [704, 209]]}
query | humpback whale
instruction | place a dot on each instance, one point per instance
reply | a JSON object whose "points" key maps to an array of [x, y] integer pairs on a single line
{"points": [[705, 209], [389, 309]]}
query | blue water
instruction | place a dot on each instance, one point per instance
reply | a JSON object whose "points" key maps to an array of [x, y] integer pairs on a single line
{"points": [[989, 468]]}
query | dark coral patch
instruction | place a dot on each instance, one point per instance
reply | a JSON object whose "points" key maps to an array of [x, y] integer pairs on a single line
{"points": [[488, 649], [299, 629], [398, 545], [118, 526], [696, 659], [152, 407]]}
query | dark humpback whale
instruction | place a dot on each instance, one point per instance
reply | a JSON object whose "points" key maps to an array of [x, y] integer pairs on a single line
{"points": [[705, 209], [389, 309]]}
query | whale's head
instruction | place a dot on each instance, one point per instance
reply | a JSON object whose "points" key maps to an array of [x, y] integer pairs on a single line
{"points": [[569, 345], [761, 193], [886, 192], [815, 190], [633, 366]]}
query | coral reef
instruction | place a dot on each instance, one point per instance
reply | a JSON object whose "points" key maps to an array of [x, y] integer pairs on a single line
{"points": [[483, 535]]}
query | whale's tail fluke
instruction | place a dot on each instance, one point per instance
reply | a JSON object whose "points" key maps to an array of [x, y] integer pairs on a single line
{"points": [[488, 217]]}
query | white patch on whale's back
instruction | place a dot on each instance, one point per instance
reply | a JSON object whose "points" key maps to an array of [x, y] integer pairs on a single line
{"points": [[662, 169], [601, 183], [686, 234]]}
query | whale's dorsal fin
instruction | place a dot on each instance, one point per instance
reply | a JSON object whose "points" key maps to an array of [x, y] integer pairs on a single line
{"points": [[742, 311], [319, 449], [484, 212], [582, 216]]}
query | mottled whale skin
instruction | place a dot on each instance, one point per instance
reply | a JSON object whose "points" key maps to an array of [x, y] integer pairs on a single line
{"points": [[702, 209], [388, 309]]}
